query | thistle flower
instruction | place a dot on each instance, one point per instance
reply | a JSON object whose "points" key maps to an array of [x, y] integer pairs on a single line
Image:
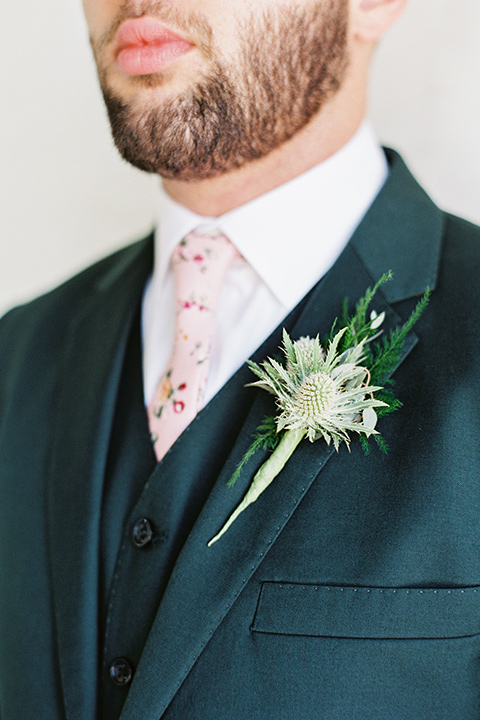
{"points": [[305, 349], [325, 396]]}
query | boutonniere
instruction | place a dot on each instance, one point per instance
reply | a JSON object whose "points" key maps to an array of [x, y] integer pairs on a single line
{"points": [[327, 390]]}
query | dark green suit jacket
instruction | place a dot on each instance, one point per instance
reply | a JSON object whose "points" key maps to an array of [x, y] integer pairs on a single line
{"points": [[350, 590]]}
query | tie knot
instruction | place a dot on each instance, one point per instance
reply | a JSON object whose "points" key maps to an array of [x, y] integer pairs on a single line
{"points": [[201, 249], [200, 263]]}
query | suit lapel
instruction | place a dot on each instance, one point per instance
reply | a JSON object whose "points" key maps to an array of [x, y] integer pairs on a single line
{"points": [[206, 581], [85, 401], [402, 232]]}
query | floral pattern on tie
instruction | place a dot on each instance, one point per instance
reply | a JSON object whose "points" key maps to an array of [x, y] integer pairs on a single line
{"points": [[200, 263], [169, 394]]}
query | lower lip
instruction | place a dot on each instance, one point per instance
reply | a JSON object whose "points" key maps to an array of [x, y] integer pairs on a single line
{"points": [[151, 57]]}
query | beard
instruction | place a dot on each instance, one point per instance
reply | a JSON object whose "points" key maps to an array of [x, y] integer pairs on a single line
{"points": [[291, 61]]}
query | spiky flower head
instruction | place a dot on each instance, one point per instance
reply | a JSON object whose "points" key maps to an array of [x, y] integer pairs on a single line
{"points": [[304, 352], [315, 396], [325, 394]]}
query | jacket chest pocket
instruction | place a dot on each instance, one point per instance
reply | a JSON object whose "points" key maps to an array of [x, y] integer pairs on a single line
{"points": [[372, 653], [368, 613]]}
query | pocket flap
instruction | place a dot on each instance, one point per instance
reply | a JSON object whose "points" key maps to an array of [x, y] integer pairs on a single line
{"points": [[367, 612]]}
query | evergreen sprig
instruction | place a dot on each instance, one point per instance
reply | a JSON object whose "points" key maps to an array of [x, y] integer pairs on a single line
{"points": [[386, 354], [265, 437], [357, 326]]}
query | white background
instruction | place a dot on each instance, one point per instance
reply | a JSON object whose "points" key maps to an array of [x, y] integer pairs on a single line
{"points": [[67, 199]]}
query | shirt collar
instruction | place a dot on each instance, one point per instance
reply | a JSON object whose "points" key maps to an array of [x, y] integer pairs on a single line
{"points": [[293, 234]]}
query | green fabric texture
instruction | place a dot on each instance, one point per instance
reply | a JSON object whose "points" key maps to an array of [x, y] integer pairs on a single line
{"points": [[350, 590]]}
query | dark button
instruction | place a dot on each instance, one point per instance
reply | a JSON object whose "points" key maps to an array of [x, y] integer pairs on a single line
{"points": [[121, 672], [142, 533]]}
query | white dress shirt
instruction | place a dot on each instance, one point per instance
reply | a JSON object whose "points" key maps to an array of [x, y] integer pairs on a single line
{"points": [[289, 238]]}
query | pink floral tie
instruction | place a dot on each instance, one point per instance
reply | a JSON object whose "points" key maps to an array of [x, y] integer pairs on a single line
{"points": [[200, 263]]}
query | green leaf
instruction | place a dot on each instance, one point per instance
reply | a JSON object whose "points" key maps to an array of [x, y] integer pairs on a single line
{"points": [[289, 349]]}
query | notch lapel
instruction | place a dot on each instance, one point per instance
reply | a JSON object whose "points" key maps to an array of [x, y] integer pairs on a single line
{"points": [[206, 581], [85, 401]]}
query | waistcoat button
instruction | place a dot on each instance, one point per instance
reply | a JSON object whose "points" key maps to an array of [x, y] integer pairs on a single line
{"points": [[142, 533], [121, 672]]}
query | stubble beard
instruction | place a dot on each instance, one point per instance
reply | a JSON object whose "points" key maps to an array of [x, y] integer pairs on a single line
{"points": [[292, 61]]}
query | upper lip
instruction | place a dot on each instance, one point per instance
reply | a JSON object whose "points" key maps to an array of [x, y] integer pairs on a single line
{"points": [[136, 32]]}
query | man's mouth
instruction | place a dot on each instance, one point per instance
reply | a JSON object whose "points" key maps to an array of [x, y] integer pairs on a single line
{"points": [[145, 46]]}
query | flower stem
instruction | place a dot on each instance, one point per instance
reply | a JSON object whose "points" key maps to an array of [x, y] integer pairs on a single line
{"points": [[268, 472]]}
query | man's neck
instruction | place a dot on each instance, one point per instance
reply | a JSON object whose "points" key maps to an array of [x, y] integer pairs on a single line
{"points": [[318, 141]]}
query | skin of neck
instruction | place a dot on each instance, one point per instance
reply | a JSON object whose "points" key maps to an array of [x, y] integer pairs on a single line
{"points": [[327, 132]]}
